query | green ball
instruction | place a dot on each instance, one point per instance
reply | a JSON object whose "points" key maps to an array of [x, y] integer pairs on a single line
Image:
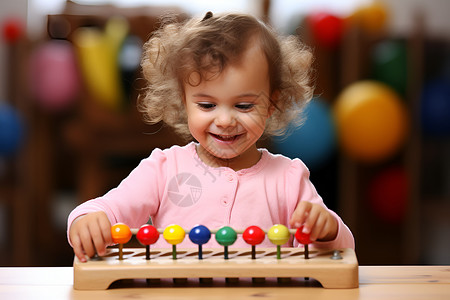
{"points": [[390, 64], [226, 236]]}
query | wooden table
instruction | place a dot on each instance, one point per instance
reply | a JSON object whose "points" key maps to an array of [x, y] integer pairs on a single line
{"points": [[376, 282]]}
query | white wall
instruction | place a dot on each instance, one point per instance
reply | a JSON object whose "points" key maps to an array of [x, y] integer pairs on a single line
{"points": [[18, 9], [436, 14]]}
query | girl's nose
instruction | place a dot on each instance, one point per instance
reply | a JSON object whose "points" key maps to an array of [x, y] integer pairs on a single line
{"points": [[225, 118]]}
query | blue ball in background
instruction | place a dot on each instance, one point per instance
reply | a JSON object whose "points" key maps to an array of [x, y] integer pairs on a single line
{"points": [[435, 108], [313, 142], [11, 130]]}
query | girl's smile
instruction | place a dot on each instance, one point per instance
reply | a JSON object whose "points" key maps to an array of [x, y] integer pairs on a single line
{"points": [[228, 114]]}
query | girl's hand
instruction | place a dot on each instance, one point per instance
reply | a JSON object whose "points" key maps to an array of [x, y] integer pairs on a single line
{"points": [[90, 233], [316, 220]]}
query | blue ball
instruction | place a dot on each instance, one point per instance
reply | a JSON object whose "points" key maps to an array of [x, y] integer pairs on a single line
{"points": [[313, 142], [435, 108], [200, 235], [11, 130]]}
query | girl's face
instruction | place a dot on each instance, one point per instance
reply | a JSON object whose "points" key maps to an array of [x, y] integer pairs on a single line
{"points": [[228, 114]]}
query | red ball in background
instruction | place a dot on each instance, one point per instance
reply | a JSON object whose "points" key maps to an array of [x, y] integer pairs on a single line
{"points": [[301, 237], [12, 30], [253, 235], [147, 235], [326, 29], [388, 194]]}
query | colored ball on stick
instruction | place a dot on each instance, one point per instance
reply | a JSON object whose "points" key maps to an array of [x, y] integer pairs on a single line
{"points": [[301, 237], [174, 234], [279, 235], [200, 235], [226, 236], [120, 234], [304, 239], [147, 235], [253, 235]]}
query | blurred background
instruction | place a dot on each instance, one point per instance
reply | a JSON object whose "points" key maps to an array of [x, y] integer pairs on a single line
{"points": [[376, 139]]}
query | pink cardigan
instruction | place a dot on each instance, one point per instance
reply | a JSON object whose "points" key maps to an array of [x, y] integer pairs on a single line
{"points": [[174, 186]]}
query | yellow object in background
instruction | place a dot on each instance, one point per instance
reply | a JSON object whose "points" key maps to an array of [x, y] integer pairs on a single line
{"points": [[98, 57], [372, 17], [372, 121]]}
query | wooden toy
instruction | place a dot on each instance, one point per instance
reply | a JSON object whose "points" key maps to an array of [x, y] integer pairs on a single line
{"points": [[226, 236], [333, 268], [303, 238], [253, 235], [147, 235], [174, 234], [121, 234], [200, 235], [279, 235]]}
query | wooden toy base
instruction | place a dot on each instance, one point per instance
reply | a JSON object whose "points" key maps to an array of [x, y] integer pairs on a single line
{"points": [[99, 273]]}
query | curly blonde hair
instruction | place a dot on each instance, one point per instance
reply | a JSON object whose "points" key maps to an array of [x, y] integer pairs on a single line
{"points": [[178, 49]]}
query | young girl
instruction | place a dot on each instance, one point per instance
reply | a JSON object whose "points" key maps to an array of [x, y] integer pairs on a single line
{"points": [[223, 80]]}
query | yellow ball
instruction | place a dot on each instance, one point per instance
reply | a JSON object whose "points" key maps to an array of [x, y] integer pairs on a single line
{"points": [[174, 234], [372, 121], [120, 233], [278, 234], [372, 18]]}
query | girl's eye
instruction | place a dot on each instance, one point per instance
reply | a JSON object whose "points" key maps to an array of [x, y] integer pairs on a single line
{"points": [[206, 105], [245, 106]]}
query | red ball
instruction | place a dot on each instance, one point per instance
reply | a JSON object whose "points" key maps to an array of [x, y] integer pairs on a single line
{"points": [[326, 29], [12, 30], [302, 238], [147, 235], [253, 235], [388, 194]]}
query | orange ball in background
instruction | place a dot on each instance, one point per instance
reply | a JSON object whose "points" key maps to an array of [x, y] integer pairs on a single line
{"points": [[372, 121], [121, 233], [371, 17]]}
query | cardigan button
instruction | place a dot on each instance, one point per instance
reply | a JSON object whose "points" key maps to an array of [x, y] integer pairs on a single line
{"points": [[230, 177]]}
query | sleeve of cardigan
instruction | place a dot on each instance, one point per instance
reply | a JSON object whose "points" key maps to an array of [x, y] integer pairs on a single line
{"points": [[135, 199]]}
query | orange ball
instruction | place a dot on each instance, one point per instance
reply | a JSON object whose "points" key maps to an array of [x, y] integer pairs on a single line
{"points": [[372, 18], [372, 121], [120, 233]]}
